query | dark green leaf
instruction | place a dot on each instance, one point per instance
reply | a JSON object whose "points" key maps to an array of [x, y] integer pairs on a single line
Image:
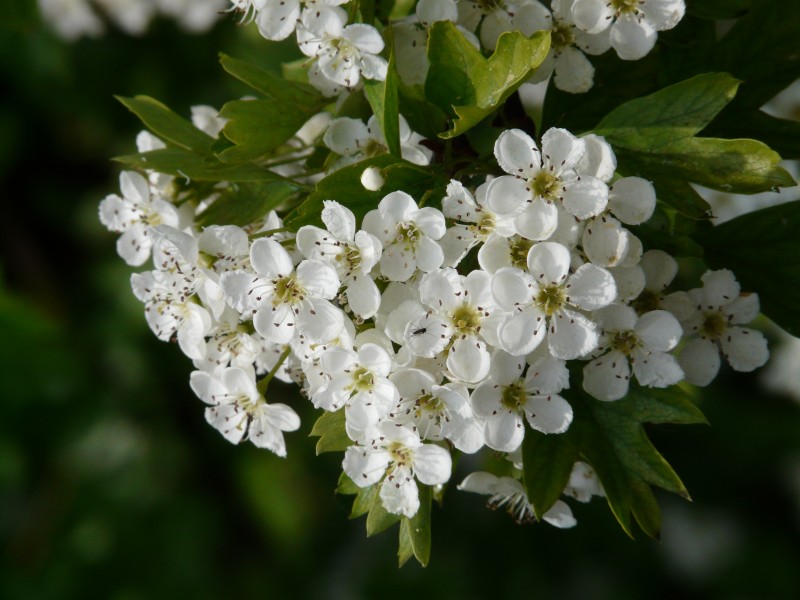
{"points": [[331, 432], [346, 487], [193, 166], [379, 519], [289, 93], [364, 500], [167, 125], [345, 187], [763, 249], [682, 197], [781, 135], [612, 439], [462, 82], [245, 203], [415, 533], [423, 117], [547, 463], [676, 112], [258, 127], [383, 99]]}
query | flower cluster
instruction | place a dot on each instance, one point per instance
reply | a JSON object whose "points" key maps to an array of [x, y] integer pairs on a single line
{"points": [[431, 329]]}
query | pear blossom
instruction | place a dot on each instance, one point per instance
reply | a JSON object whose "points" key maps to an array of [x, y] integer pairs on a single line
{"points": [[633, 24], [508, 494], [355, 141], [640, 344], [721, 309], [543, 302], [71, 19], [396, 457], [239, 412], [343, 53], [507, 398], [408, 234], [659, 269]]}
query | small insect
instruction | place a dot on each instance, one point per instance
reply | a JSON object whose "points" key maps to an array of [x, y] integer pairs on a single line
{"points": [[419, 331]]}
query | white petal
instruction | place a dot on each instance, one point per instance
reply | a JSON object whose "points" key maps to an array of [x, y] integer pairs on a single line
{"points": [[442, 289], [700, 361], [574, 72], [346, 136], [319, 279], [517, 154], [456, 242], [592, 16], [571, 335], [659, 330], [507, 195], [430, 11], [719, 288], [399, 493], [605, 241], [277, 20], [743, 310], [468, 360], [591, 287], [560, 515], [270, 259], [479, 482], [363, 296], [548, 414], [561, 149], [276, 324], [630, 282], [664, 14], [339, 220], [657, 369], [549, 263], [504, 431], [429, 254], [632, 200], [133, 246], [320, 320], [431, 222], [586, 197], [229, 420], [363, 467], [432, 464], [134, 187], [522, 332], [607, 378], [745, 349], [511, 288], [599, 160], [632, 38], [365, 37], [659, 269], [538, 221]]}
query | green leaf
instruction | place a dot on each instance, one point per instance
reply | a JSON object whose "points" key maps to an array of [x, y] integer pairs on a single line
{"points": [[379, 519], [547, 463], [654, 137], [345, 187], [185, 163], [275, 88], [245, 203], [383, 99], [676, 112], [781, 135], [682, 197], [763, 249], [364, 500], [423, 117], [331, 432], [167, 125], [415, 533], [463, 83], [257, 127], [611, 437], [346, 486]]}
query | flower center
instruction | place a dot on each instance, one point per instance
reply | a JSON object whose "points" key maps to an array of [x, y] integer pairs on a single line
{"points": [[363, 380], [373, 148], [401, 455], [646, 302], [550, 298], [546, 186], [622, 7], [518, 250], [350, 257], [714, 325], [408, 235], [562, 35], [288, 291], [427, 403], [466, 319], [487, 6], [624, 341], [485, 226], [513, 397]]}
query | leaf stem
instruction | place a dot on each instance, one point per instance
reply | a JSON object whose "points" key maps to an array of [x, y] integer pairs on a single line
{"points": [[264, 383]]}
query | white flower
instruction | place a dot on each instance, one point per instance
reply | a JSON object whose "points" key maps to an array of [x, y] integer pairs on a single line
{"points": [[543, 301], [634, 23], [132, 17], [352, 253], [507, 397], [507, 493], [539, 180], [359, 382], [134, 214], [354, 141], [285, 301], [437, 412], [643, 342], [659, 269], [408, 234], [238, 411], [71, 19], [344, 53], [398, 454], [720, 308], [583, 483]]}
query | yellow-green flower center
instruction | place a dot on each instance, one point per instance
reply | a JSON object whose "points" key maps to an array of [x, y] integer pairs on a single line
{"points": [[562, 35], [466, 319], [288, 291], [550, 298], [518, 249], [646, 302], [714, 325], [428, 403], [624, 341], [400, 454], [513, 397], [546, 185], [408, 235], [622, 7], [363, 380]]}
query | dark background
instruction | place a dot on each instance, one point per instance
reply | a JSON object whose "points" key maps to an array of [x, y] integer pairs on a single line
{"points": [[113, 486]]}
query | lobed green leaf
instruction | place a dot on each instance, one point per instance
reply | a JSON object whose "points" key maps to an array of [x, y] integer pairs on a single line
{"points": [[331, 432], [415, 533], [247, 202], [383, 98], [167, 125]]}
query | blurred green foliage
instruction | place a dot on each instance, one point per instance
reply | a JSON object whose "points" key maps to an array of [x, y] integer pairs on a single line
{"points": [[112, 485]]}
